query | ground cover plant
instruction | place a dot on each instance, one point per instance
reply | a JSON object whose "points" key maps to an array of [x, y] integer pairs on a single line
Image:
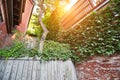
{"points": [[52, 51], [16, 50]]}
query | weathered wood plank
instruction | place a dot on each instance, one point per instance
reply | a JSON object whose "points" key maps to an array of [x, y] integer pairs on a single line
{"points": [[38, 70], [49, 70], [8, 70], [25, 69], [14, 70], [34, 70], [62, 71], [52, 70], [20, 69], [43, 73], [46, 69], [68, 71], [0, 62], [55, 70], [29, 73], [2, 68]]}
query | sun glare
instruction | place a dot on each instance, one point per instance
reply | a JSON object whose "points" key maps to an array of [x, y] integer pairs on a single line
{"points": [[72, 2]]}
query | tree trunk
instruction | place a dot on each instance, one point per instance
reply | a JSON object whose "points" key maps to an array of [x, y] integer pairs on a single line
{"points": [[44, 35]]}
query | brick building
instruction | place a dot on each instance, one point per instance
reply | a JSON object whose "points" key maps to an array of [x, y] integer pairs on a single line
{"points": [[14, 14]]}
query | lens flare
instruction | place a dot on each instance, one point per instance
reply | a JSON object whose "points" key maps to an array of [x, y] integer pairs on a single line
{"points": [[68, 7]]}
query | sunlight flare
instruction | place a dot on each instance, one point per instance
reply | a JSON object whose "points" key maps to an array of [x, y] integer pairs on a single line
{"points": [[68, 7]]}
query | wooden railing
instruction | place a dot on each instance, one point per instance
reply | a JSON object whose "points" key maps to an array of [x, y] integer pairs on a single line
{"points": [[80, 11]]}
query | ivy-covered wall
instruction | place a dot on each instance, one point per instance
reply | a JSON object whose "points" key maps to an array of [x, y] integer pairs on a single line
{"points": [[97, 34]]}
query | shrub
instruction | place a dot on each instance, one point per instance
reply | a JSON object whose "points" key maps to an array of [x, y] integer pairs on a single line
{"points": [[56, 51], [16, 50], [52, 51]]}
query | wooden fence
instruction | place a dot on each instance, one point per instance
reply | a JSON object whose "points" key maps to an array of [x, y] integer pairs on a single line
{"points": [[79, 11]]}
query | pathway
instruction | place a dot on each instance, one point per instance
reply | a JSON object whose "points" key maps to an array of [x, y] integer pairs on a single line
{"points": [[29, 69]]}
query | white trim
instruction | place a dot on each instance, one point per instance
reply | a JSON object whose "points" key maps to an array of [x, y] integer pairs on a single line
{"points": [[101, 5]]}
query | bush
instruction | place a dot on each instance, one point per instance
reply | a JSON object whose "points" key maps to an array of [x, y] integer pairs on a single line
{"points": [[56, 51], [17, 50], [52, 51]]}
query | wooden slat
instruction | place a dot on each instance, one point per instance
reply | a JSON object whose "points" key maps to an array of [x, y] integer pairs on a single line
{"points": [[34, 70], [29, 73], [8, 70], [70, 71], [38, 70], [46, 69], [58, 68], [20, 69], [25, 69], [14, 70], [49, 70], [50, 74], [2, 68], [55, 71], [42, 69]]}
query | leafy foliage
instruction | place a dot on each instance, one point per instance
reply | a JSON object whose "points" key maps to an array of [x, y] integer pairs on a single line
{"points": [[57, 51], [97, 34], [52, 17], [52, 51], [34, 28], [53, 13], [16, 50]]}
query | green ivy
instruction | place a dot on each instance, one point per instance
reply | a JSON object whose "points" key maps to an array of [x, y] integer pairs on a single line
{"points": [[97, 34]]}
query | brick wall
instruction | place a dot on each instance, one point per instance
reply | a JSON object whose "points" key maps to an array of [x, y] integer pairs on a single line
{"points": [[99, 68], [3, 33], [25, 16]]}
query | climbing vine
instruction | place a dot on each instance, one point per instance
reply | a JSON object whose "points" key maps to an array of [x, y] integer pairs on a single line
{"points": [[97, 34]]}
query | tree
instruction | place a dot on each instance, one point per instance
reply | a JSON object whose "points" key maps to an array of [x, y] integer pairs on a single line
{"points": [[45, 30], [52, 6]]}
